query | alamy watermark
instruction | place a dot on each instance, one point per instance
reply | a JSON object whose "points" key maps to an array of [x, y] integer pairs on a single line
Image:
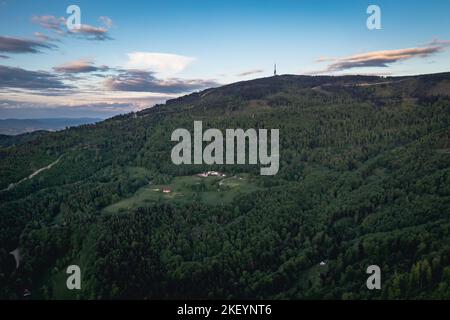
{"points": [[74, 280], [374, 20], [73, 22], [374, 281], [235, 140]]}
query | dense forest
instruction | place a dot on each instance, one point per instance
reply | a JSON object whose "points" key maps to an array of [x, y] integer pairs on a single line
{"points": [[364, 180]]}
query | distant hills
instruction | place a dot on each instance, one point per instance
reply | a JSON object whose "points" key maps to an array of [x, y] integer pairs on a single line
{"points": [[19, 126]]}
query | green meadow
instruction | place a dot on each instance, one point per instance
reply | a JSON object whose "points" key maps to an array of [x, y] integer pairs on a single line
{"points": [[209, 190]]}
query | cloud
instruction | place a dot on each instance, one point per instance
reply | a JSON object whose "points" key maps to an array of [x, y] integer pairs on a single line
{"points": [[107, 22], [86, 31], [143, 81], [24, 110], [437, 41], [91, 33], [50, 22], [250, 72], [382, 58], [18, 45], [158, 62], [324, 59], [20, 78], [44, 38], [79, 66], [2, 56]]}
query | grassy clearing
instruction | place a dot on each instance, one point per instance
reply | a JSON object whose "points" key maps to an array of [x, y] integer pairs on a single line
{"points": [[210, 190]]}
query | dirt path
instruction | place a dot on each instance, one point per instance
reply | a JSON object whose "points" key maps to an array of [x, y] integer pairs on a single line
{"points": [[17, 257], [31, 176], [369, 84]]}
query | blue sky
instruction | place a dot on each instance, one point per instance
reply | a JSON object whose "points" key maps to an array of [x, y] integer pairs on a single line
{"points": [[143, 52]]}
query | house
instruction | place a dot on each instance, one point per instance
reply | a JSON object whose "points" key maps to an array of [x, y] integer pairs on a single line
{"points": [[166, 190], [323, 263], [211, 174]]}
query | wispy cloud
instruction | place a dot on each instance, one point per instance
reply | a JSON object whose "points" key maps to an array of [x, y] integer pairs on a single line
{"points": [[439, 42], [79, 66], [50, 22], [249, 72], [383, 58], [165, 63], [19, 45], [107, 22], [18, 109], [36, 80], [45, 38], [144, 81], [86, 31], [91, 33]]}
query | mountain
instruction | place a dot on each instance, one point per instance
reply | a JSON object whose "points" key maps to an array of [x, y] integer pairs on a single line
{"points": [[19, 126], [364, 180], [7, 140]]}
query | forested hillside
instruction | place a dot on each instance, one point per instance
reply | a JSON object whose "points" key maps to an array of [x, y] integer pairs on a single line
{"points": [[364, 180]]}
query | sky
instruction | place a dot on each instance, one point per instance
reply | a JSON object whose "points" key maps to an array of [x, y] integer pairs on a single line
{"points": [[129, 55]]}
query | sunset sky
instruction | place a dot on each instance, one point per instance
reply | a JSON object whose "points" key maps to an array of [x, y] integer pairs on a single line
{"points": [[129, 55]]}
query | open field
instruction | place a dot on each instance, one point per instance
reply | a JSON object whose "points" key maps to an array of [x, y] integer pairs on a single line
{"points": [[209, 190]]}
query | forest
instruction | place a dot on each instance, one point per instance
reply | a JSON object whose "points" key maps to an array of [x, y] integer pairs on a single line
{"points": [[364, 179]]}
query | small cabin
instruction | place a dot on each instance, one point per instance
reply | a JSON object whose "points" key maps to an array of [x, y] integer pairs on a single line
{"points": [[211, 174], [166, 190]]}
